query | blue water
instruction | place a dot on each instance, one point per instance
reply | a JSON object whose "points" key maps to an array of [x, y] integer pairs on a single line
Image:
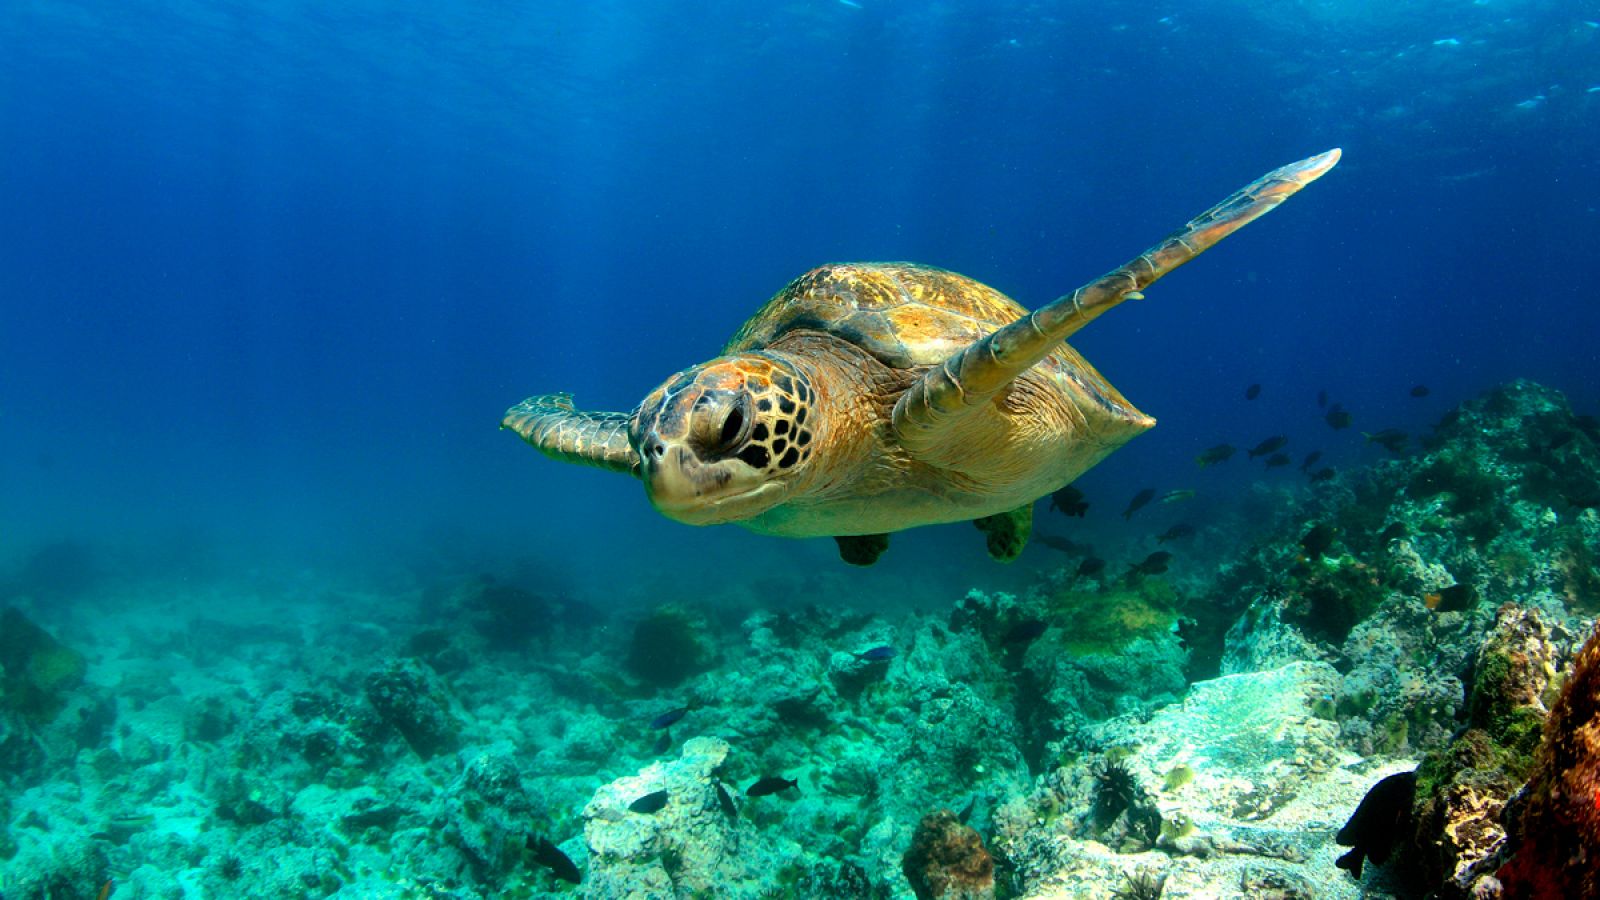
{"points": [[271, 271]]}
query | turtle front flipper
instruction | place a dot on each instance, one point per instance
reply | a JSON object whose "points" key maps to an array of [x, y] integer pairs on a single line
{"points": [[926, 412], [550, 423]]}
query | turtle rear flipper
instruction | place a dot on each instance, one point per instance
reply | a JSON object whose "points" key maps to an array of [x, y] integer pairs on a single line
{"points": [[1007, 532], [560, 431], [925, 414]]}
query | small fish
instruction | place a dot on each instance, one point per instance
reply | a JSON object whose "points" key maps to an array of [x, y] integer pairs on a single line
{"points": [[1394, 531], [1317, 541], [966, 812], [1325, 473], [1177, 496], [550, 856], [1420, 390], [1252, 392], [1094, 565], [1455, 598], [850, 3], [1154, 564], [1337, 418], [1175, 533], [663, 743], [1278, 459], [1138, 502], [1069, 500], [1447, 42], [1379, 822], [1561, 440], [1322, 399], [725, 800], [1270, 445], [105, 890], [772, 784], [1311, 460], [1219, 454], [649, 803], [671, 718], [1063, 545], [1025, 632], [877, 654], [1390, 439]]}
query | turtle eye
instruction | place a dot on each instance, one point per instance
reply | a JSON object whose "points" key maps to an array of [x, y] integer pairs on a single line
{"points": [[732, 432]]}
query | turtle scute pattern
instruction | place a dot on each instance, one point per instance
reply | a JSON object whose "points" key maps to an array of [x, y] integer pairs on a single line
{"points": [[903, 314]]}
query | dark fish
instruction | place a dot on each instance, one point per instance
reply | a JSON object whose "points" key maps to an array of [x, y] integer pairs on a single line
{"points": [[772, 784], [1218, 454], [1395, 530], [1325, 473], [1381, 820], [1278, 459], [1252, 392], [1154, 564], [1069, 500], [663, 743], [1562, 439], [1420, 390], [1317, 541], [877, 654], [1178, 495], [1026, 632], [1311, 460], [1063, 545], [1390, 439], [1322, 399], [1337, 418], [966, 812], [1455, 598], [725, 800], [1094, 565], [669, 719], [649, 803], [1176, 532], [550, 856], [1138, 502], [1269, 445]]}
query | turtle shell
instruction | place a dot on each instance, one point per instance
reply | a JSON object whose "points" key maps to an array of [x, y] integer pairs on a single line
{"points": [[908, 315], [905, 315]]}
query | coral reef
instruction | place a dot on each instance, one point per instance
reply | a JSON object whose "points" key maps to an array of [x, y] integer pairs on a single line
{"points": [[1091, 731]]}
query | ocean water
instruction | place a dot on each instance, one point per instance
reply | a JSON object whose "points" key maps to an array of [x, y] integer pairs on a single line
{"points": [[271, 271]]}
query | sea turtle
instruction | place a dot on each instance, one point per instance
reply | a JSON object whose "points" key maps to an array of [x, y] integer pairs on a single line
{"points": [[866, 398]]}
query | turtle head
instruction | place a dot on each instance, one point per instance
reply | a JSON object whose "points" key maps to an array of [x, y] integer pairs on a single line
{"points": [[724, 441]]}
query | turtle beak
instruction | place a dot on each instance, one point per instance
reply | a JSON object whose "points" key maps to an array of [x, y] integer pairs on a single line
{"points": [[683, 488], [674, 478]]}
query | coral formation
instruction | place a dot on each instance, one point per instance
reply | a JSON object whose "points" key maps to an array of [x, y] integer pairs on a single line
{"points": [[410, 697], [947, 861], [669, 645], [36, 671], [1555, 823]]}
